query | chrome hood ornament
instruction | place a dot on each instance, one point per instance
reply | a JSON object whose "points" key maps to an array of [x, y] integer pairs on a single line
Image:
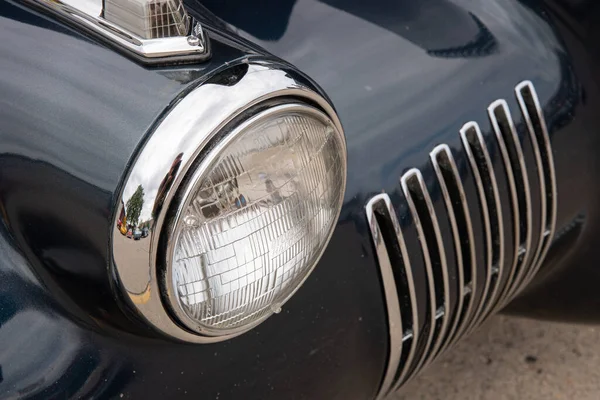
{"points": [[151, 31]]}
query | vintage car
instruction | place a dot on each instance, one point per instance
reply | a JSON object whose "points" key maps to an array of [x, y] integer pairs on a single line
{"points": [[335, 191], [137, 234]]}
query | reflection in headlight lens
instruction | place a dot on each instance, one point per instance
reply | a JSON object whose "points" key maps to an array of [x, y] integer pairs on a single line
{"points": [[260, 210]]}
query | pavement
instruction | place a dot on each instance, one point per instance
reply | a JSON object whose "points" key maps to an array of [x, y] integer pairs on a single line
{"points": [[515, 358], [133, 252]]}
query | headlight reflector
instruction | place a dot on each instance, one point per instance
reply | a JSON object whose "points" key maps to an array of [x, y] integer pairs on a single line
{"points": [[253, 219]]}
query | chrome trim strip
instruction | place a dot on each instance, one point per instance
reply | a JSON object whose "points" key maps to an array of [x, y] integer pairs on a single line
{"points": [[429, 277], [547, 175], [522, 247], [488, 297], [412, 293], [391, 295], [511, 188], [444, 266], [87, 14], [164, 161], [430, 349], [542, 185], [397, 332], [518, 264], [457, 330]]}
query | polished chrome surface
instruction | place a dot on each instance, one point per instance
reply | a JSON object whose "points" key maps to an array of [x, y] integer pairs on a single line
{"points": [[514, 163], [161, 165], [390, 289], [443, 161], [487, 187], [501, 282], [432, 304], [403, 341], [415, 191], [538, 135], [89, 15]]}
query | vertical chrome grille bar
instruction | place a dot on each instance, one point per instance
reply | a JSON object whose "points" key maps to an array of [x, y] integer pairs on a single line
{"points": [[391, 295], [514, 162], [398, 330], [542, 185], [482, 169], [415, 191], [538, 133], [458, 210]]}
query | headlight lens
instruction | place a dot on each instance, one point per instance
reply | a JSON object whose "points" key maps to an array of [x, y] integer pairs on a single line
{"points": [[254, 218]]}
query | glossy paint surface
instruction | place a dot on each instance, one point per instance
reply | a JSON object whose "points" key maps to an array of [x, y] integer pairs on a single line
{"points": [[73, 114], [403, 84], [403, 78]]}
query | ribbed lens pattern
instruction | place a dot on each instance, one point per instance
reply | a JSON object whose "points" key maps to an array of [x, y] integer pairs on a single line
{"points": [[149, 19], [258, 220]]}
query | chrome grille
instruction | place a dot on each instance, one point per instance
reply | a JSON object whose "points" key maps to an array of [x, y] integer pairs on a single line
{"points": [[430, 238], [510, 257], [462, 234]]}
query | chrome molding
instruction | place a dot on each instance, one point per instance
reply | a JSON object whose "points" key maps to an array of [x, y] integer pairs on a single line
{"points": [[433, 305], [507, 271], [413, 186], [514, 163], [88, 15], [163, 162], [482, 169], [398, 331], [442, 159], [538, 135]]}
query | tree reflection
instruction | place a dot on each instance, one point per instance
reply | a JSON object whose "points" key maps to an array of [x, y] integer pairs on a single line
{"points": [[134, 206]]}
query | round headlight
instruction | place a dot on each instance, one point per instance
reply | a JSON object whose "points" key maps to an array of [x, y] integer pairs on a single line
{"points": [[254, 218], [231, 203]]}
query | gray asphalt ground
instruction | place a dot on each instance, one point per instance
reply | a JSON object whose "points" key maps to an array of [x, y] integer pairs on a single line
{"points": [[514, 358]]}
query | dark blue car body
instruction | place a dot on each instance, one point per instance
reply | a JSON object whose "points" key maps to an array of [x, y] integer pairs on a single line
{"points": [[403, 76]]}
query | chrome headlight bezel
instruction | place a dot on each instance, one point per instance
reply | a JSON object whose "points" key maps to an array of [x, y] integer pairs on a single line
{"points": [[199, 117]]}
